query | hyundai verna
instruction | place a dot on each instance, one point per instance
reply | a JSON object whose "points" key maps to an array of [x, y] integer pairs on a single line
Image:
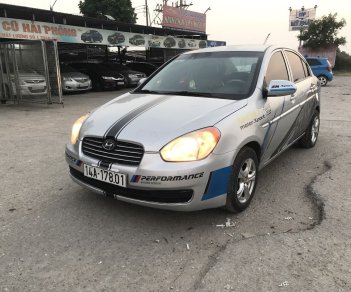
{"points": [[195, 134]]}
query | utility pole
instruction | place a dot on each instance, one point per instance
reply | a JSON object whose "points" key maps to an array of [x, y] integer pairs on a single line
{"points": [[147, 13]]}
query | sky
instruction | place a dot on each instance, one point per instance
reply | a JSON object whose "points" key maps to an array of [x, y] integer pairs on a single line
{"points": [[236, 22]]}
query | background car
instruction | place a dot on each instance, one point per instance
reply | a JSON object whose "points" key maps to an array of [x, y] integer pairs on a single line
{"points": [[321, 68], [74, 81], [154, 42], [30, 81], [102, 77], [143, 67], [137, 40], [116, 38], [91, 36], [131, 76], [181, 43], [202, 44], [169, 42], [195, 134], [192, 44]]}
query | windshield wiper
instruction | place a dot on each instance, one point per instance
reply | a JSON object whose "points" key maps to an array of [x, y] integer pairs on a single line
{"points": [[189, 93], [147, 91]]}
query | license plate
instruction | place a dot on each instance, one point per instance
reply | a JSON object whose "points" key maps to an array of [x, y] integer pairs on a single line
{"points": [[120, 83], [111, 177], [38, 87]]}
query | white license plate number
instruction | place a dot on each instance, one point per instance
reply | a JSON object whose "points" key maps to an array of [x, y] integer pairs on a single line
{"points": [[111, 177]]}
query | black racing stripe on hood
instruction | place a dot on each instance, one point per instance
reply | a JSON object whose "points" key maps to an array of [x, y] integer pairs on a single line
{"points": [[117, 127]]}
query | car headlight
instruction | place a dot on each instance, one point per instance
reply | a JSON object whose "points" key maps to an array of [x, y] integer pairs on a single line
{"points": [[133, 76], [67, 79], [76, 128], [193, 146], [107, 78]]}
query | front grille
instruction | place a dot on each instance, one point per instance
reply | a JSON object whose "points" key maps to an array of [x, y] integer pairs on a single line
{"points": [[156, 196], [35, 81], [125, 152]]}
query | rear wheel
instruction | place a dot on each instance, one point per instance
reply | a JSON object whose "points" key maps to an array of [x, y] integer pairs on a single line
{"points": [[323, 80], [243, 180], [311, 135]]}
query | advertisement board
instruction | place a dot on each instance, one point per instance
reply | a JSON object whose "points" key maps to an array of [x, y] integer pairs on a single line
{"points": [[299, 19], [35, 30], [180, 18]]}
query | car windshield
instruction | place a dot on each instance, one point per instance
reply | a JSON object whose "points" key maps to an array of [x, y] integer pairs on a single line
{"points": [[67, 69], [230, 75]]}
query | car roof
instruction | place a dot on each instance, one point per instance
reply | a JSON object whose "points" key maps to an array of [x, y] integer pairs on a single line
{"points": [[240, 48]]}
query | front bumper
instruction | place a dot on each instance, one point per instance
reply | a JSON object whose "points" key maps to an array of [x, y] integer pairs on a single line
{"points": [[31, 90], [184, 186]]}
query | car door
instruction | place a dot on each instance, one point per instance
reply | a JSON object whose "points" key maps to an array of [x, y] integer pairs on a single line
{"points": [[284, 108]]}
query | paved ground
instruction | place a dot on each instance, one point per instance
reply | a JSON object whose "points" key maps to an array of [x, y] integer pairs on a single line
{"points": [[55, 235]]}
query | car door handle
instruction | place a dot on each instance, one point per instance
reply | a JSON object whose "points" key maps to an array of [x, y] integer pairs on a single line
{"points": [[293, 97]]}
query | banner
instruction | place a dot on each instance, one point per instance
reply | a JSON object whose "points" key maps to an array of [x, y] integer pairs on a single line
{"points": [[299, 19], [35, 30], [179, 18]]}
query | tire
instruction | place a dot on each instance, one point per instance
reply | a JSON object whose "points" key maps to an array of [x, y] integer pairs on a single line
{"points": [[323, 80], [243, 181], [310, 138]]}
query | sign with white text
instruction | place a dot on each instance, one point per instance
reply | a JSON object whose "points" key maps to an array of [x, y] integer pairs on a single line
{"points": [[299, 19]]}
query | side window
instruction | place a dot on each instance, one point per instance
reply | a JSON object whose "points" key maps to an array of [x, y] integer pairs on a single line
{"points": [[276, 68], [313, 62], [296, 66], [306, 69]]}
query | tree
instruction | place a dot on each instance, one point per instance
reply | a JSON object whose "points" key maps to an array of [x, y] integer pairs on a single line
{"points": [[343, 61], [323, 32], [120, 10]]}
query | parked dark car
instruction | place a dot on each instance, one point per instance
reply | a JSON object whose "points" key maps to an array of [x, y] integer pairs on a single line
{"points": [[101, 76], [137, 40], [321, 68], [91, 36], [169, 42], [143, 67], [131, 77], [116, 38]]}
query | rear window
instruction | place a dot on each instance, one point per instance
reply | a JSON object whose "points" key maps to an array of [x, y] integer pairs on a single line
{"points": [[313, 62]]}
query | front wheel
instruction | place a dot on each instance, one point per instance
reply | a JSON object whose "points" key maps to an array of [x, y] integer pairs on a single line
{"points": [[310, 138], [323, 80], [243, 180]]}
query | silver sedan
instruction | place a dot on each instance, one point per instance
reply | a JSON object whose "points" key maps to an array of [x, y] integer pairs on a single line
{"points": [[195, 135]]}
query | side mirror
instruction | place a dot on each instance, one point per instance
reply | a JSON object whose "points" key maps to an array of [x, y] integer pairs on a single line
{"points": [[281, 88], [141, 81]]}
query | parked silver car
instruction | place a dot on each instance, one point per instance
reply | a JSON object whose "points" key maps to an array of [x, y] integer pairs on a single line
{"points": [[73, 81], [195, 135], [30, 82]]}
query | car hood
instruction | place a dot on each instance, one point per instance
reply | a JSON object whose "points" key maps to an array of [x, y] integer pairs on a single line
{"points": [[74, 75], [155, 120], [26, 75]]}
